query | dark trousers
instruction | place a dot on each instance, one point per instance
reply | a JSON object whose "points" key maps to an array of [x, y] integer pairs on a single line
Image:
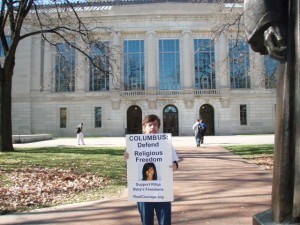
{"points": [[162, 210], [198, 139], [202, 135]]}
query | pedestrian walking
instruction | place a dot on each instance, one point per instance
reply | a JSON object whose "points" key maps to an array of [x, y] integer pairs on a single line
{"points": [[80, 136], [198, 132]]}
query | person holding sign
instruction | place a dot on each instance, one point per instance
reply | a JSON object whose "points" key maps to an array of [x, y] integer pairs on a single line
{"points": [[146, 208]]}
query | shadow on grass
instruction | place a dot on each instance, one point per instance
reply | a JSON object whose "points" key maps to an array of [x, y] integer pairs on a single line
{"points": [[72, 150]]}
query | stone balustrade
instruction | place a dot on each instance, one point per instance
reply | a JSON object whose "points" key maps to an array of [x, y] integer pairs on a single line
{"points": [[170, 92]]}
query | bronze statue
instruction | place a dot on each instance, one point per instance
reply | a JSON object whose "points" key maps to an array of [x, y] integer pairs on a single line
{"points": [[272, 27]]}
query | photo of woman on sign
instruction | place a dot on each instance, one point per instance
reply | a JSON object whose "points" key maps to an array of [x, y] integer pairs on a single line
{"points": [[149, 171]]}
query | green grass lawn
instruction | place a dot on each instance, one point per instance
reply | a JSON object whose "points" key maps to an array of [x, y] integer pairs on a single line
{"points": [[108, 162], [252, 151]]}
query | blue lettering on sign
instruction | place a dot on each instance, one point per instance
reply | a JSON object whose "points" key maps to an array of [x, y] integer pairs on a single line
{"points": [[157, 137]]}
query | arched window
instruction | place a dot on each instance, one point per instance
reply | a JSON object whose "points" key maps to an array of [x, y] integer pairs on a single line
{"points": [[206, 113], [134, 120], [170, 120]]}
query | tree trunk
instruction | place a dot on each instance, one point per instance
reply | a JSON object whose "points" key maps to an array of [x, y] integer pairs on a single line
{"points": [[5, 112]]}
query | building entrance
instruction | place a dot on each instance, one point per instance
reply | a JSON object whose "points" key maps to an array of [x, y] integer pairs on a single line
{"points": [[170, 120], [134, 120], [207, 115]]}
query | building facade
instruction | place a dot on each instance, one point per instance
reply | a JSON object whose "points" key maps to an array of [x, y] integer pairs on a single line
{"points": [[167, 61]]}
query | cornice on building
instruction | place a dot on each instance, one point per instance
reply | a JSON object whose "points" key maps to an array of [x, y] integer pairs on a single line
{"points": [[123, 2], [131, 2]]}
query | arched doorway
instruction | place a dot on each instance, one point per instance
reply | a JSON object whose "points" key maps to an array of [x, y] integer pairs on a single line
{"points": [[207, 115], [170, 120], [134, 120]]}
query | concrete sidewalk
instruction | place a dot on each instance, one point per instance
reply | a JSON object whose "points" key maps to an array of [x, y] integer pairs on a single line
{"points": [[181, 141], [212, 186]]}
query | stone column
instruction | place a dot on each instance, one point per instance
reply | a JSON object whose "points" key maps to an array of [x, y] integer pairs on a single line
{"points": [[187, 78], [222, 65], [222, 70], [187, 61], [257, 70], [49, 67], [150, 61], [42, 68], [81, 70], [151, 74], [116, 81]]}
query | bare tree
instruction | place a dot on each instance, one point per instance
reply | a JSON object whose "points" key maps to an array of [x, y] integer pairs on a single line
{"points": [[58, 22], [229, 23]]}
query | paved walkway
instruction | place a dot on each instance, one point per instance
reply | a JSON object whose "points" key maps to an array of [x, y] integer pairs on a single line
{"points": [[211, 187]]}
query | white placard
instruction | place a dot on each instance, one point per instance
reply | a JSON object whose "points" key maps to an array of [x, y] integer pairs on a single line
{"points": [[145, 149]]}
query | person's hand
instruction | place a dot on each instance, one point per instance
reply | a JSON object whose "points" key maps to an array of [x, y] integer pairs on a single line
{"points": [[126, 155], [275, 43], [175, 166]]}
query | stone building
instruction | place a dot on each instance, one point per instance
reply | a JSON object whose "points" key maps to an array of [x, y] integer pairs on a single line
{"points": [[170, 62]]}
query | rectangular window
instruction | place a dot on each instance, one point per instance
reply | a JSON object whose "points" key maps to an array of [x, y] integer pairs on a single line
{"points": [[204, 56], [271, 66], [239, 64], [65, 68], [243, 114], [99, 67], [134, 71], [8, 40], [98, 117], [169, 65], [63, 117]]}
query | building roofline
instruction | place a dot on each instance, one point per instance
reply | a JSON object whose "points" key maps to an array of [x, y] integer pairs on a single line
{"points": [[131, 2]]}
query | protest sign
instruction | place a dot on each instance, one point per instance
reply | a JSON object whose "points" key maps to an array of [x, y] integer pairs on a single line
{"points": [[150, 167]]}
